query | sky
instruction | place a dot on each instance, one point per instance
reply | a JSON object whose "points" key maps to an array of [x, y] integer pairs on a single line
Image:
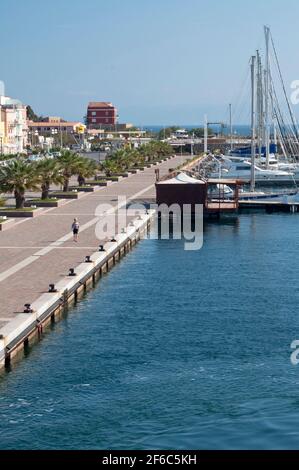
{"points": [[160, 62]]}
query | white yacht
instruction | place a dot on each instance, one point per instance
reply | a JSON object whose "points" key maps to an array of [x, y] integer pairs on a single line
{"points": [[275, 163], [234, 168]]}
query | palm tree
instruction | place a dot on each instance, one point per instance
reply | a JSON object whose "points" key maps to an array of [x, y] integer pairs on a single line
{"points": [[123, 157], [69, 163], [49, 172], [164, 149], [145, 152], [17, 177], [132, 157], [155, 149], [86, 169], [110, 165]]}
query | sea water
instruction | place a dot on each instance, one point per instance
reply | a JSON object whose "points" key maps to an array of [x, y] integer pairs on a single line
{"points": [[173, 349]]}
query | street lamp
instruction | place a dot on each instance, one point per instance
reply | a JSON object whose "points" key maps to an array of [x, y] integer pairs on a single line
{"points": [[60, 135], [116, 122], [192, 145], [54, 132], [34, 133]]}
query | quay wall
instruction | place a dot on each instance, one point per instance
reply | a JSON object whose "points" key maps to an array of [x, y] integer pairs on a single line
{"points": [[26, 328]]}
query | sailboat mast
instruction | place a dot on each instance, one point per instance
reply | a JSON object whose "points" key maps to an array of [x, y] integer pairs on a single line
{"points": [[253, 113], [262, 110], [205, 134], [259, 102], [267, 93], [275, 134], [231, 127]]}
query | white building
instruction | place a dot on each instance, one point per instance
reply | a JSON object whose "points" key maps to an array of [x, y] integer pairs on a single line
{"points": [[13, 124]]}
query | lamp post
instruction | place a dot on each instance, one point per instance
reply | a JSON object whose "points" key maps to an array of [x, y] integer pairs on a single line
{"points": [[37, 135], [61, 143], [54, 132], [192, 145], [30, 138], [116, 121]]}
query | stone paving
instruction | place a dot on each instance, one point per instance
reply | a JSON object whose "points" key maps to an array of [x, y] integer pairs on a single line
{"points": [[39, 251]]}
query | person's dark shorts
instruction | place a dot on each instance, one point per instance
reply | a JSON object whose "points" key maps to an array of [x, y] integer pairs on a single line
{"points": [[75, 231]]}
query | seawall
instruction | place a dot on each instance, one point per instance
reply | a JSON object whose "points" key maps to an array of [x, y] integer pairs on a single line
{"points": [[27, 327]]}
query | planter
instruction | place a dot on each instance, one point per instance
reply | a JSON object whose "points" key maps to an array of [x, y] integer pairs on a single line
{"points": [[113, 178], [120, 175], [28, 212], [5, 224], [140, 168], [99, 183], [45, 203], [85, 189], [68, 195]]}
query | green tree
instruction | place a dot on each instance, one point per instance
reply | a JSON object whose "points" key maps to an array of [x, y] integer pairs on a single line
{"points": [[144, 152], [49, 172], [110, 166], [69, 163], [86, 169], [155, 149], [17, 177], [126, 158], [199, 132], [32, 116], [166, 132], [121, 160]]}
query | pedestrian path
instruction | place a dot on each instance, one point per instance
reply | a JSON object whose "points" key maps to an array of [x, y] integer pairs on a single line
{"points": [[41, 250]]}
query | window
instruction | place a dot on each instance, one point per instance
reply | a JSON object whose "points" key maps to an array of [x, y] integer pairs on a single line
{"points": [[94, 120], [93, 113], [106, 113], [107, 120]]}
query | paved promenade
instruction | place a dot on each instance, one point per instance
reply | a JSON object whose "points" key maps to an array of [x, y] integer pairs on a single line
{"points": [[39, 251]]}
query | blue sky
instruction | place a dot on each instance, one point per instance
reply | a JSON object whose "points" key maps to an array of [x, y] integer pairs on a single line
{"points": [[159, 61]]}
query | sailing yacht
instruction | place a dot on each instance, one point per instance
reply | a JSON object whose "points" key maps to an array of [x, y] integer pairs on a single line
{"points": [[258, 163], [231, 168]]}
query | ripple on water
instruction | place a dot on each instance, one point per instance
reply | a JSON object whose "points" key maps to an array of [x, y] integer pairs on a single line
{"points": [[185, 350]]}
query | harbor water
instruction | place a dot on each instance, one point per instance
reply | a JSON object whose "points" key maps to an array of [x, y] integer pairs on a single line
{"points": [[173, 349]]}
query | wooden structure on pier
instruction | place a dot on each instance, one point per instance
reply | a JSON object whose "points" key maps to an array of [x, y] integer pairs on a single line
{"points": [[183, 189], [217, 201]]}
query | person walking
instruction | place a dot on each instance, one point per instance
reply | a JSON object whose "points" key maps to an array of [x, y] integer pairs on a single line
{"points": [[75, 229]]}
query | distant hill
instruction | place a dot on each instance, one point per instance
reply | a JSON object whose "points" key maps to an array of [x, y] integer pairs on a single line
{"points": [[32, 116]]}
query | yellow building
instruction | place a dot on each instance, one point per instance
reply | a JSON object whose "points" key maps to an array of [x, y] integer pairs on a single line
{"points": [[57, 125]]}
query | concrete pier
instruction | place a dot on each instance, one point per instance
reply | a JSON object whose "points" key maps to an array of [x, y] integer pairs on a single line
{"points": [[270, 205], [38, 252]]}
